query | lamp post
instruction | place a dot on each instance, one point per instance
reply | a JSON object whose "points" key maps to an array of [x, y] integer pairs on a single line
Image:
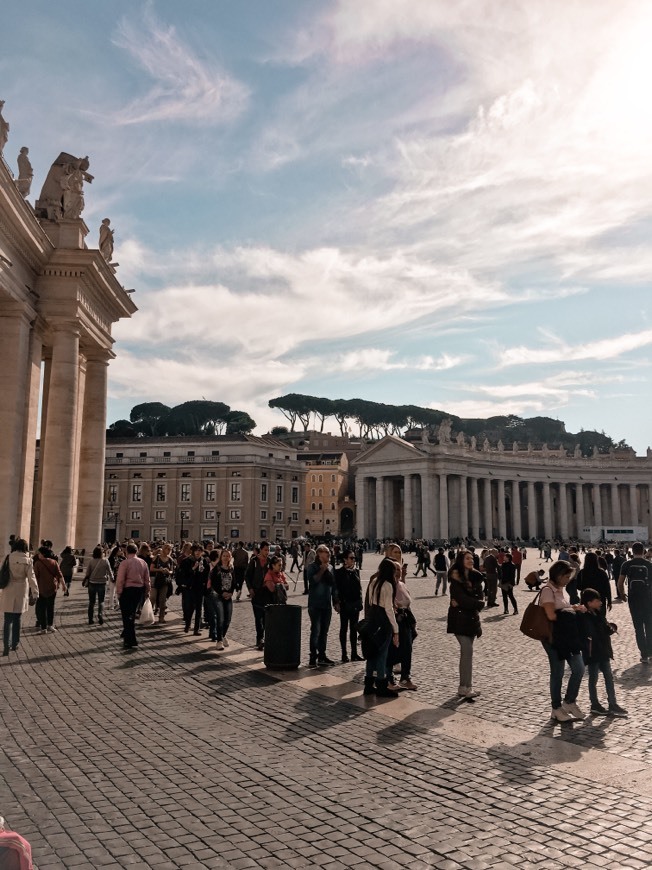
{"points": [[114, 515], [218, 515]]}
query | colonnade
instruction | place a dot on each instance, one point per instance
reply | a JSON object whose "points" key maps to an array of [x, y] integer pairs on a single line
{"points": [[443, 505]]}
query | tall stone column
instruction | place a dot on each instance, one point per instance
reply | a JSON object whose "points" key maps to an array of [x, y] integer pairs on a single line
{"points": [[633, 503], [532, 523], [443, 506], [14, 366], [464, 506], [59, 435], [475, 509], [597, 505], [502, 517], [517, 531], [616, 518], [563, 511], [81, 385], [388, 495], [26, 482], [579, 508], [380, 508], [91, 455], [435, 524], [547, 511], [427, 506], [488, 512], [408, 518], [360, 505]]}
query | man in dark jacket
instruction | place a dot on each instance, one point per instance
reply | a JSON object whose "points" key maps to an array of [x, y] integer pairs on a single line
{"points": [[260, 595], [192, 579], [638, 573], [349, 590]]}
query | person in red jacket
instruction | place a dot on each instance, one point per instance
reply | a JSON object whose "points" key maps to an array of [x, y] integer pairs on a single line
{"points": [[50, 580]]}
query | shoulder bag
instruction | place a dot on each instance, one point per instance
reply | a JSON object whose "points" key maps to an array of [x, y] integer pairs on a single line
{"points": [[535, 623]]}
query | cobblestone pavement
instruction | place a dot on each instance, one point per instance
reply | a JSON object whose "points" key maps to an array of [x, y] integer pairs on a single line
{"points": [[176, 755]]}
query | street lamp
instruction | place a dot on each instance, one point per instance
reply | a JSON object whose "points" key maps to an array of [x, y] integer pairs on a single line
{"points": [[113, 515]]}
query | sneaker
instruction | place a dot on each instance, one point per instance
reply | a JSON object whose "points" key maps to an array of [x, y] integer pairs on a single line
{"points": [[560, 715], [617, 710], [407, 684], [598, 710], [220, 645], [41, 631], [51, 629], [467, 692], [324, 660], [573, 709], [225, 642]]}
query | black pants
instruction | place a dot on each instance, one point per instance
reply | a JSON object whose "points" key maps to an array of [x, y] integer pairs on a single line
{"points": [[191, 603], [96, 591], [349, 625], [641, 612], [508, 594], [402, 653], [238, 578], [45, 611], [259, 619], [129, 603]]}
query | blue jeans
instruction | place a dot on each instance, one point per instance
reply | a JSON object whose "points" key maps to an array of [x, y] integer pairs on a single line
{"points": [[219, 614], [557, 667], [320, 621], [594, 670], [96, 591], [11, 632], [377, 663]]}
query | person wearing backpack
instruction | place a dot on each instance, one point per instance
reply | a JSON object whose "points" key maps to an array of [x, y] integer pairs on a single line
{"points": [[638, 573], [14, 594]]}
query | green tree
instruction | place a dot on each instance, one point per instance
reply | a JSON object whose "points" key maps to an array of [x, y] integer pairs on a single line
{"points": [[147, 417], [239, 423], [197, 417], [122, 429]]}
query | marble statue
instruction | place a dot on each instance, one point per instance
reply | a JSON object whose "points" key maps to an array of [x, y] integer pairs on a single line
{"points": [[515, 447], [473, 442], [4, 128], [485, 445], [577, 453], [595, 451], [62, 195], [461, 440], [106, 240], [500, 446], [25, 173], [445, 431]]}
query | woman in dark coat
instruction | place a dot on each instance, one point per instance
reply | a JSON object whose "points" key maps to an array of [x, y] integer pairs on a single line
{"points": [[467, 600], [592, 576]]}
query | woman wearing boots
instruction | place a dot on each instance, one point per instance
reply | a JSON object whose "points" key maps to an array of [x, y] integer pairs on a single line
{"points": [[98, 574], [161, 571], [379, 611], [467, 600], [349, 588], [507, 582]]}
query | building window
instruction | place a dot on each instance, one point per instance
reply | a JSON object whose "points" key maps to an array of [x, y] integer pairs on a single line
{"points": [[215, 452], [295, 495], [332, 507], [209, 515], [234, 515], [210, 492], [137, 474], [184, 492], [279, 493], [294, 477], [263, 474], [332, 492], [161, 492], [313, 478], [113, 492], [185, 474], [321, 491], [159, 515], [263, 534], [166, 453], [263, 492], [136, 515], [321, 478], [333, 478], [191, 453], [321, 506], [295, 517], [313, 506], [185, 515], [142, 455], [135, 534], [210, 474], [137, 492], [279, 516], [313, 491], [119, 455], [236, 491], [161, 474], [263, 515], [236, 474]]}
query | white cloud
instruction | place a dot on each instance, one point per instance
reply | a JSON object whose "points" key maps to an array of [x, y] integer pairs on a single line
{"points": [[560, 352], [381, 360], [186, 87]]}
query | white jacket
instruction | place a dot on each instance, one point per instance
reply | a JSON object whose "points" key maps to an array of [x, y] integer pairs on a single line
{"points": [[14, 598]]}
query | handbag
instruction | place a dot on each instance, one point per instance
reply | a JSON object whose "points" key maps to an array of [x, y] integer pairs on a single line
{"points": [[147, 613], [280, 594], [535, 623], [372, 631]]}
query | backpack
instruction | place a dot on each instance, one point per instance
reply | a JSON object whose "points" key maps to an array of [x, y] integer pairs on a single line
{"points": [[5, 574], [638, 580]]}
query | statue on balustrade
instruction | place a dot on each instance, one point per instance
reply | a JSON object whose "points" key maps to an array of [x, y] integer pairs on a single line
{"points": [[500, 446], [461, 440], [25, 173], [445, 431], [486, 446], [515, 447], [4, 128], [577, 453], [106, 240], [62, 195], [474, 442]]}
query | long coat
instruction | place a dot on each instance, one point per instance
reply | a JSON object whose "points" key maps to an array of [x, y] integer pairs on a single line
{"points": [[14, 598]]}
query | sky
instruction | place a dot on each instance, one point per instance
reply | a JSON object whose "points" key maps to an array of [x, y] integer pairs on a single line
{"points": [[407, 201]]}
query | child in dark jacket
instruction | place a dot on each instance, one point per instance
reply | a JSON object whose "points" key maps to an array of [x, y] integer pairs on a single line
{"points": [[597, 650]]}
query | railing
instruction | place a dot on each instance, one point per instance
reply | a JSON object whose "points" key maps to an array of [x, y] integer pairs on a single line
{"points": [[199, 460]]}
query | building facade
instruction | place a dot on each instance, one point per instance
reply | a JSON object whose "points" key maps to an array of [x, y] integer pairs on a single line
{"points": [[455, 489], [328, 508], [238, 487], [58, 302]]}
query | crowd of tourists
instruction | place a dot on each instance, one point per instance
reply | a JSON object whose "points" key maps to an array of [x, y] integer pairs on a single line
{"points": [[377, 624]]}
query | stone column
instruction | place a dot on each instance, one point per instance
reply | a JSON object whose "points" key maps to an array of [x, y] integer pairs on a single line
{"points": [[464, 506], [547, 511], [408, 519], [26, 483], [58, 469], [427, 505], [91, 455], [563, 511], [517, 530], [443, 506], [597, 505], [579, 508], [360, 505], [475, 509], [488, 512], [380, 508], [532, 524], [14, 370], [79, 423], [615, 505], [633, 503], [502, 518], [388, 516]]}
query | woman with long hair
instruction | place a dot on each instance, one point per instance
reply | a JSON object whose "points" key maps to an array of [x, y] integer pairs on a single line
{"points": [[592, 576], [98, 574], [467, 600], [221, 585], [379, 612], [14, 598]]}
